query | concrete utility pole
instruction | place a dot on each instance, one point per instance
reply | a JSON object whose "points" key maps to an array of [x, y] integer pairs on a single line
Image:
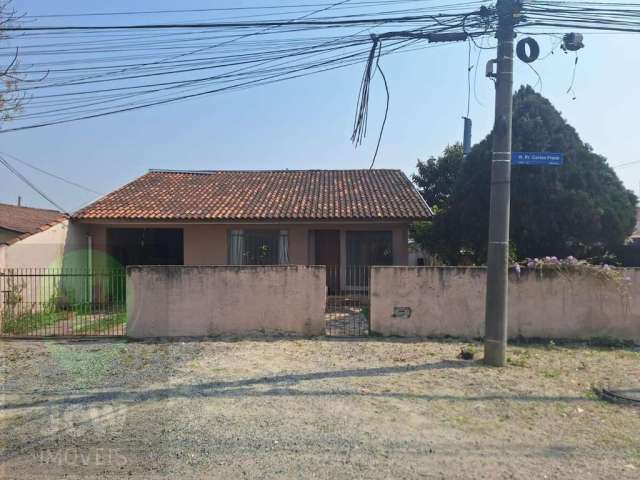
{"points": [[496, 312]]}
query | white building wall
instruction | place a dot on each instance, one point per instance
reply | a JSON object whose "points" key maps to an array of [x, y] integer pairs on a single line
{"points": [[63, 244]]}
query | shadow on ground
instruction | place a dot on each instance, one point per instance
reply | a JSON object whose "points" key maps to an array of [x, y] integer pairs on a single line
{"points": [[282, 387]]}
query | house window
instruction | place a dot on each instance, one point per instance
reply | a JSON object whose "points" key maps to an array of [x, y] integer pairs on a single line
{"points": [[259, 247], [146, 246], [369, 248]]}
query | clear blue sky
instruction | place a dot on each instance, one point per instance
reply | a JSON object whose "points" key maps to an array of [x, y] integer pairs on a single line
{"points": [[306, 123]]}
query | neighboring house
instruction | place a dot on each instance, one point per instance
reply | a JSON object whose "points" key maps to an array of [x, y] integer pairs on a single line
{"points": [[418, 257], [339, 218], [635, 236], [629, 254], [33, 237]]}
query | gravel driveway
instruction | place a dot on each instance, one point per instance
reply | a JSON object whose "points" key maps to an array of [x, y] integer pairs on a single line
{"points": [[319, 408]]}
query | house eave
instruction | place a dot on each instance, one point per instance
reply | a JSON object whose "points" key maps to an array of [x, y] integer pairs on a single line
{"points": [[178, 221], [42, 228]]}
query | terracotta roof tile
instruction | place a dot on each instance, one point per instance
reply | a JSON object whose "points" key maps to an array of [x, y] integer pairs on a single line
{"points": [[263, 195], [28, 220]]}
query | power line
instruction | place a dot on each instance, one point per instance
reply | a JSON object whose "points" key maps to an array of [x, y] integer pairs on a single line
{"points": [[224, 9], [88, 74], [598, 16], [53, 175], [290, 68], [155, 63], [246, 84], [222, 25], [626, 164], [24, 179]]}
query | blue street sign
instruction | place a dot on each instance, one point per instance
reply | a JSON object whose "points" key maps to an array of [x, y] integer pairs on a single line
{"points": [[536, 158]]}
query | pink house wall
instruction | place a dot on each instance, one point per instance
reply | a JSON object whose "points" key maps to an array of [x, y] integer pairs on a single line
{"points": [[207, 244]]}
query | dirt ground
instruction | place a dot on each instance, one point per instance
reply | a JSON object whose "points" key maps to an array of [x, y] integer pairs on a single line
{"points": [[319, 408]]}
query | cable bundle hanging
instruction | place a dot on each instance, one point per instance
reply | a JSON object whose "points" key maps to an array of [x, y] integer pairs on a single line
{"points": [[362, 109], [362, 105]]}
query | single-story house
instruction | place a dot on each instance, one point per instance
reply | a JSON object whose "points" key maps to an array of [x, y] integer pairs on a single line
{"points": [[339, 218], [635, 236], [629, 254], [33, 237]]}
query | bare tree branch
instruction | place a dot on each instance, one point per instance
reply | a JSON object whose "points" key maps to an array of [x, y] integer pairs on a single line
{"points": [[11, 100], [11, 65]]}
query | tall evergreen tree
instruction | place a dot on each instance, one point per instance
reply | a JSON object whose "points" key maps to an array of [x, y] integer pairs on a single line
{"points": [[580, 208]]}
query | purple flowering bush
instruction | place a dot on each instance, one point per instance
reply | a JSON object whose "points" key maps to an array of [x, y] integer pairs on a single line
{"points": [[554, 263], [572, 265]]}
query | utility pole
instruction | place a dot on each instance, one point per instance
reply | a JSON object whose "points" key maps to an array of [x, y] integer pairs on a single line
{"points": [[496, 310]]}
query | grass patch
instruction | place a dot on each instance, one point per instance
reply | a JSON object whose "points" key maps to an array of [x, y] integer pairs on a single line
{"points": [[517, 362], [102, 325], [520, 358], [86, 366], [550, 373], [24, 324]]}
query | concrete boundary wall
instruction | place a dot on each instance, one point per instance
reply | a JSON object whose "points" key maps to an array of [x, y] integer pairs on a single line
{"points": [[440, 301], [168, 301]]}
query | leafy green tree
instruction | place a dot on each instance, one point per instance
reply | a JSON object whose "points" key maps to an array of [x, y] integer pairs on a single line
{"points": [[436, 178], [580, 208]]}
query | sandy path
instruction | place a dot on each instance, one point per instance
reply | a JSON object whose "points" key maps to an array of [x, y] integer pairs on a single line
{"points": [[287, 408]]}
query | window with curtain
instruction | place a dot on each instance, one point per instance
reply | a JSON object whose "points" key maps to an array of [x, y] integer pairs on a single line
{"points": [[259, 247]]}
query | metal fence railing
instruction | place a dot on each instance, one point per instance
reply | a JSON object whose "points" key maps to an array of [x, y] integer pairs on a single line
{"points": [[62, 302], [347, 309]]}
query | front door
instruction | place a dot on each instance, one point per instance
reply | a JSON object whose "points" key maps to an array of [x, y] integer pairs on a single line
{"points": [[328, 253]]}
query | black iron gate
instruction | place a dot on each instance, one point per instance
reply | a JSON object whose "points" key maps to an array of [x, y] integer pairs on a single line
{"points": [[43, 302], [347, 311]]}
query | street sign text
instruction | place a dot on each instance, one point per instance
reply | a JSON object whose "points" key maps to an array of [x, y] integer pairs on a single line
{"points": [[536, 158]]}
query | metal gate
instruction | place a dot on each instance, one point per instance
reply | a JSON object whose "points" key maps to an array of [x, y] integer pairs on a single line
{"points": [[43, 302], [347, 311]]}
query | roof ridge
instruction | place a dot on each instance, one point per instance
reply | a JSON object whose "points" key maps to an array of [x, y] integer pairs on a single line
{"points": [[205, 172], [224, 195], [2, 204]]}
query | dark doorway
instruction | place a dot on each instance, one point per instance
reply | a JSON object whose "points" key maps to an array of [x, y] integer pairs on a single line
{"points": [[365, 249], [146, 246], [328, 253]]}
